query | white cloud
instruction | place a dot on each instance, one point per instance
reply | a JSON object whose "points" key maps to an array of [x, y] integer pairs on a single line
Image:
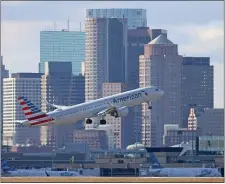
{"points": [[203, 39], [198, 40]]}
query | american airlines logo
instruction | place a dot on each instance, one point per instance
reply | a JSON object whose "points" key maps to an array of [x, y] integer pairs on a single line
{"points": [[129, 97]]}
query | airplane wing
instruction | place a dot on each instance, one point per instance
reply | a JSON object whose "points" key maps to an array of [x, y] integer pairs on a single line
{"points": [[109, 110]]}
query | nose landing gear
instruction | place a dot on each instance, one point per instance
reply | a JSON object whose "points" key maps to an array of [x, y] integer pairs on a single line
{"points": [[149, 106]]}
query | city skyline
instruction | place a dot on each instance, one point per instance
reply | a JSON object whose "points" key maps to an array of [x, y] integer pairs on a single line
{"points": [[196, 34]]}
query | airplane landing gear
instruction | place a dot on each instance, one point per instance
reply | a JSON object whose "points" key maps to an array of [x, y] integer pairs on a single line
{"points": [[149, 106], [102, 122], [115, 114], [88, 121]]}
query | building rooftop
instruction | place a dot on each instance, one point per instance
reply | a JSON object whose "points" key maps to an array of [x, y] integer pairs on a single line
{"points": [[161, 39]]}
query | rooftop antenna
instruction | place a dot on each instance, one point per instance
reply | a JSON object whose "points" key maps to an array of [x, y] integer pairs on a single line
{"points": [[68, 24], [80, 27]]}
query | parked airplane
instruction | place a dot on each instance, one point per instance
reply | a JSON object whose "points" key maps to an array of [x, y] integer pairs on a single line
{"points": [[115, 105], [159, 171], [7, 171]]}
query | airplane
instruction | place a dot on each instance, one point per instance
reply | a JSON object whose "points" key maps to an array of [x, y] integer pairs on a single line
{"points": [[12, 172], [158, 171], [115, 105]]}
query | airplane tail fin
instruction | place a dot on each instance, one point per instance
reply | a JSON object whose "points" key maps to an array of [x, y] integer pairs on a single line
{"points": [[3, 163], [4, 166], [154, 160], [33, 113]]}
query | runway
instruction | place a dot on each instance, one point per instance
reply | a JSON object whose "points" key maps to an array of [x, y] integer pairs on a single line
{"points": [[108, 179]]}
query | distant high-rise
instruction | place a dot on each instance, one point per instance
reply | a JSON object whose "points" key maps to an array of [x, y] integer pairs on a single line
{"points": [[62, 46], [106, 53], [197, 85], [3, 74], [211, 122], [137, 38], [136, 17], [160, 66], [61, 87], [20, 84]]}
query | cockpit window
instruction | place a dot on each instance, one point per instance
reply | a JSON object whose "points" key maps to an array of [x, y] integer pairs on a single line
{"points": [[157, 89]]}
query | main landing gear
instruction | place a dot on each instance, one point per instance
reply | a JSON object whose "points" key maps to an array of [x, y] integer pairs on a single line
{"points": [[149, 106], [102, 122]]}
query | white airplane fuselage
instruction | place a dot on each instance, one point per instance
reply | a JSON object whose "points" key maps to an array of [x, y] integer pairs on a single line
{"points": [[42, 173], [185, 172], [72, 114]]}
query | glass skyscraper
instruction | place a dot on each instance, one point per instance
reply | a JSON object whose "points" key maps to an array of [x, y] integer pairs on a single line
{"points": [[62, 46], [136, 17]]}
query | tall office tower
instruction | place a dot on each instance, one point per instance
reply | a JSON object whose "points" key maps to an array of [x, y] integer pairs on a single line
{"points": [[62, 46], [4, 74], [137, 38], [211, 122], [160, 66], [106, 53], [197, 85], [20, 84], [136, 17], [121, 127], [61, 87]]}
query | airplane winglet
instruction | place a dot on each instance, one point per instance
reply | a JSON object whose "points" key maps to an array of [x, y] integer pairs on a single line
{"points": [[51, 105]]}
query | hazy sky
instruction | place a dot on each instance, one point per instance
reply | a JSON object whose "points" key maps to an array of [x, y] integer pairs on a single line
{"points": [[197, 27]]}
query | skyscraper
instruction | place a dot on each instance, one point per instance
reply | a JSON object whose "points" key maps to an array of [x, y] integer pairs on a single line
{"points": [[60, 87], [62, 46], [197, 85], [106, 53], [211, 122], [160, 66], [136, 17], [20, 84], [4, 74], [137, 38]]}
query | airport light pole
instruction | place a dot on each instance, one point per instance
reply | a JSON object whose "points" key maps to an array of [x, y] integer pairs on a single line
{"points": [[135, 156], [180, 132], [53, 153], [209, 134], [136, 139]]}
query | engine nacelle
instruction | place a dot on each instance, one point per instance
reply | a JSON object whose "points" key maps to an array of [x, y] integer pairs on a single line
{"points": [[121, 112]]}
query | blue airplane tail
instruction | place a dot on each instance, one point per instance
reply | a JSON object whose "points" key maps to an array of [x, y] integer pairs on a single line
{"points": [[155, 162], [4, 166]]}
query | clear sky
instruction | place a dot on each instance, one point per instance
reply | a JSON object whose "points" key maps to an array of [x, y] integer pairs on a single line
{"points": [[197, 27]]}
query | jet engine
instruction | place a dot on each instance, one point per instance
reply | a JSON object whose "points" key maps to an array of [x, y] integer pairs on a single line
{"points": [[121, 112]]}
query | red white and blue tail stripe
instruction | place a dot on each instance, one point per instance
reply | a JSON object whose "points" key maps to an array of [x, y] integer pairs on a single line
{"points": [[32, 113]]}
